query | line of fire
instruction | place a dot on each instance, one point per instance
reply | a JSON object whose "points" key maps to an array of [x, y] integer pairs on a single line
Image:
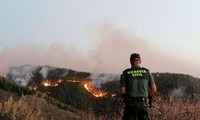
{"points": [[87, 84]]}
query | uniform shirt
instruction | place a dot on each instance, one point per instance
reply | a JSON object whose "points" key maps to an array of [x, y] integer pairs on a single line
{"points": [[136, 81]]}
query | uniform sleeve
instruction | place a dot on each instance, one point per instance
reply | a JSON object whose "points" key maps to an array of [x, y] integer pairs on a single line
{"points": [[151, 79], [122, 80]]}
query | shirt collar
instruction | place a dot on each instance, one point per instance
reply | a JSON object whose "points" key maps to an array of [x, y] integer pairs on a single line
{"points": [[135, 66]]}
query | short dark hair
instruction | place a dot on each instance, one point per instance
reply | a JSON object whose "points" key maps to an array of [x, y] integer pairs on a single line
{"points": [[135, 57]]}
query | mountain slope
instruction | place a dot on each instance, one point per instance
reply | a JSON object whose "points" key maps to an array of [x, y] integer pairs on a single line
{"points": [[31, 107], [69, 87]]}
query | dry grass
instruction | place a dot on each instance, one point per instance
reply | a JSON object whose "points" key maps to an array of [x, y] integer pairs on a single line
{"points": [[31, 107], [171, 109], [175, 109], [21, 109]]}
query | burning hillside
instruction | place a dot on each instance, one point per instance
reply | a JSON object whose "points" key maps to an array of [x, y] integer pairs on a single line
{"points": [[96, 92], [73, 94], [81, 90], [85, 83], [47, 83], [36, 77]]}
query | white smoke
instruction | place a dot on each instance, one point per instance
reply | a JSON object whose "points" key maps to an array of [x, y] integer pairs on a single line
{"points": [[99, 79], [22, 75], [44, 71], [67, 72], [179, 92]]}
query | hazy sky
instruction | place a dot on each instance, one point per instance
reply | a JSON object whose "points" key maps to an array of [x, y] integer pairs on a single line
{"points": [[165, 31]]}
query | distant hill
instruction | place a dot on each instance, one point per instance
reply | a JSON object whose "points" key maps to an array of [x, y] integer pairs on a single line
{"points": [[27, 74], [167, 83], [179, 85]]}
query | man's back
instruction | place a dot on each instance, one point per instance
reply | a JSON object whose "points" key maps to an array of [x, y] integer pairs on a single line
{"points": [[136, 81]]}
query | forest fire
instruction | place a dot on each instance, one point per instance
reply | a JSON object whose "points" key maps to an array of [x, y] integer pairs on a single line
{"points": [[32, 87], [97, 93], [47, 83], [75, 81], [87, 85]]}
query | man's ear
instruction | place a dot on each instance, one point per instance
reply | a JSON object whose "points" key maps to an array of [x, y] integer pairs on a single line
{"points": [[131, 62], [140, 61]]}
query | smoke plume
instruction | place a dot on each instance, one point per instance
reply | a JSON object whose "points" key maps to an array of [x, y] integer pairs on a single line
{"points": [[111, 55], [44, 71], [22, 74], [179, 92], [99, 79]]}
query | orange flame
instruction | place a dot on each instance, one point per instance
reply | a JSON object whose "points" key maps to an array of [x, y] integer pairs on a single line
{"points": [[87, 85], [32, 87], [76, 81], [113, 95], [47, 83], [94, 91], [59, 81]]}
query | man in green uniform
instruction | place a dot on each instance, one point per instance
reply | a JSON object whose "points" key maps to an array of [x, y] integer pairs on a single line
{"points": [[137, 84]]}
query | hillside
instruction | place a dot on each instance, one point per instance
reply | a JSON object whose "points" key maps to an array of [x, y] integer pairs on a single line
{"points": [[98, 94], [14, 106], [39, 77], [31, 108]]}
